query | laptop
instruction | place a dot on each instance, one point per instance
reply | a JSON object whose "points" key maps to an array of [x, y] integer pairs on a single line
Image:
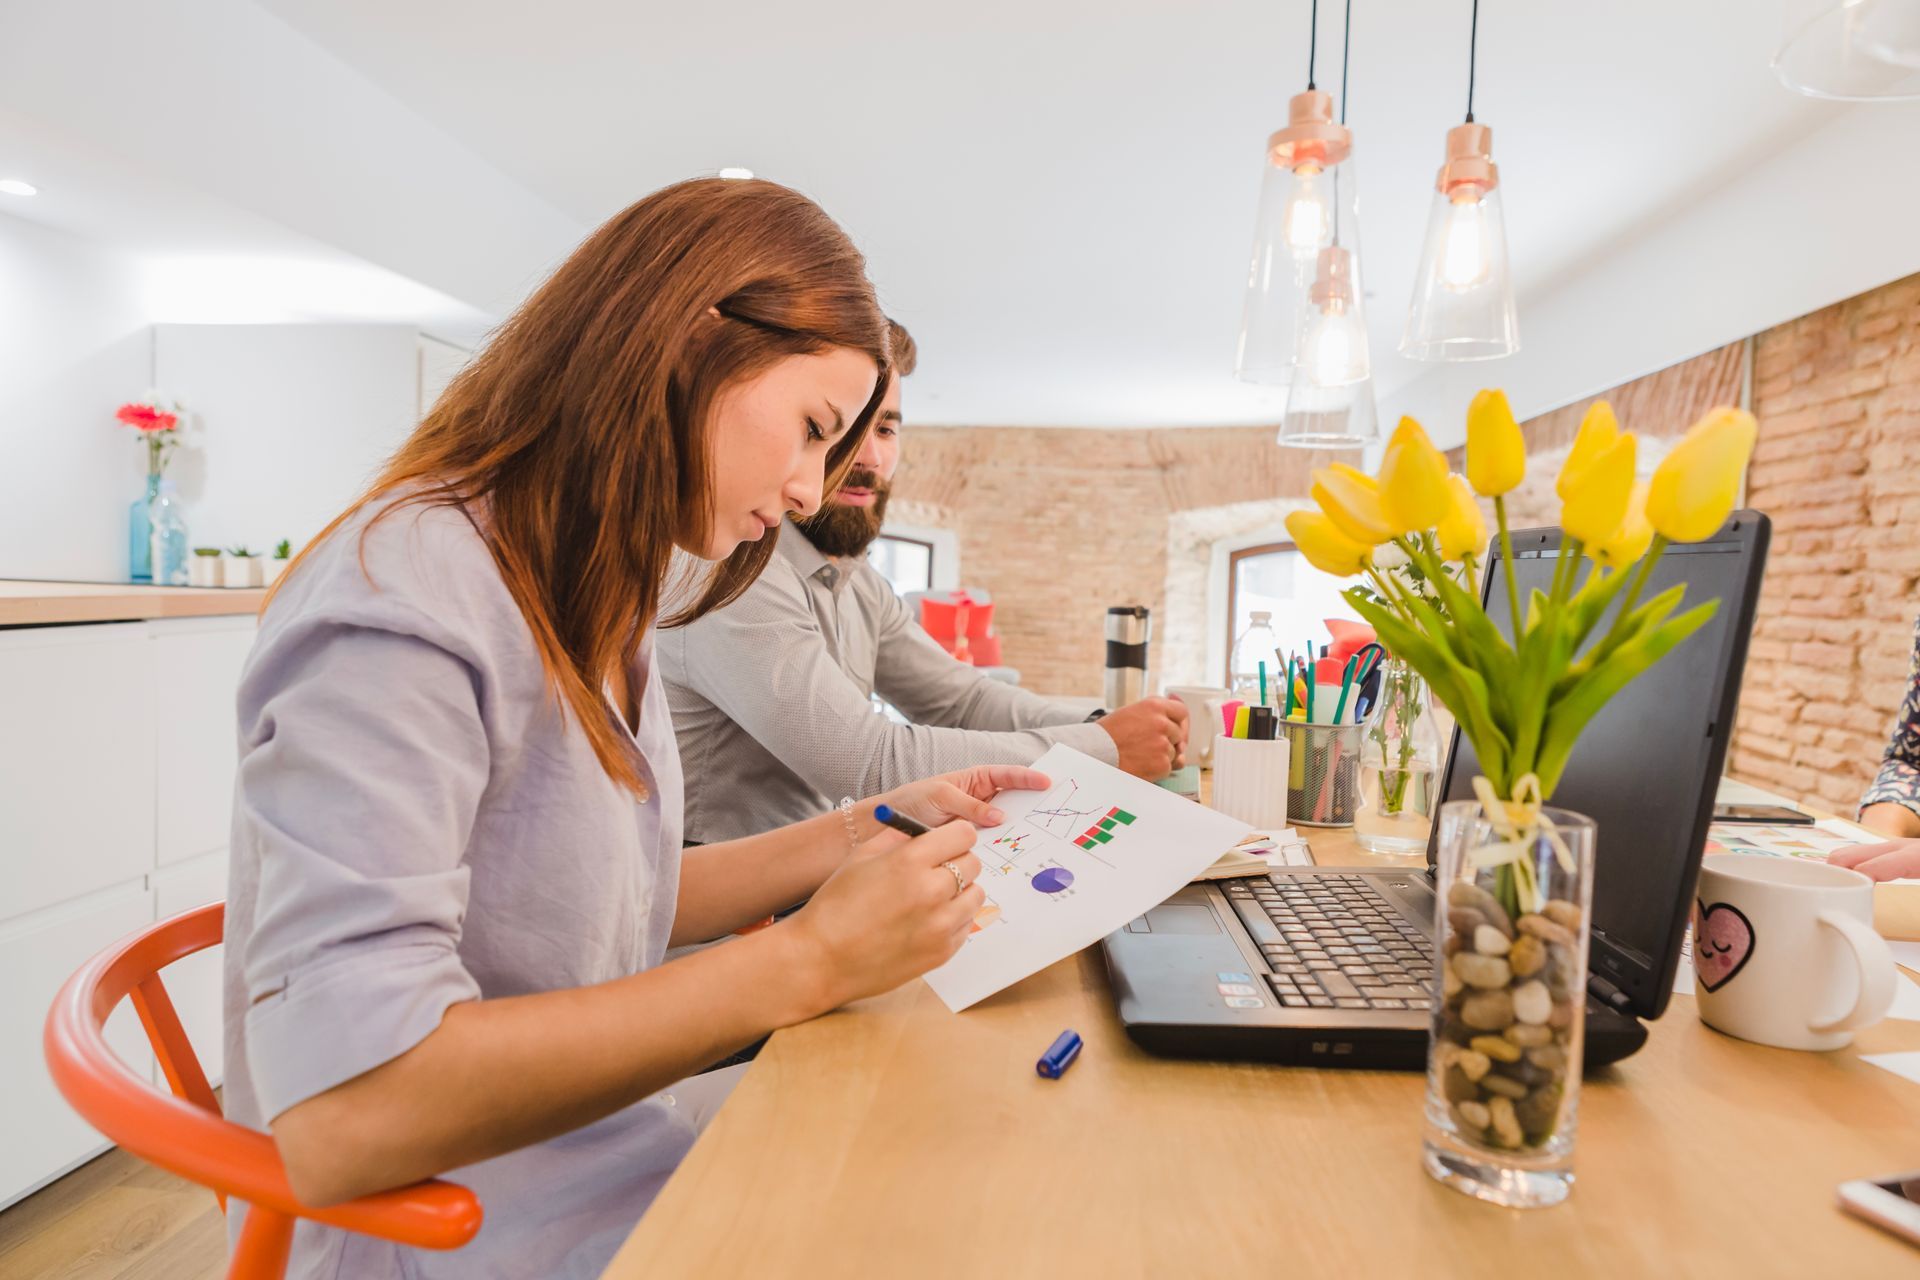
{"points": [[1333, 965]]}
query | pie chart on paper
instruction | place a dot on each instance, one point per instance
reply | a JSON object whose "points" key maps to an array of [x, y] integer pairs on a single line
{"points": [[1052, 879]]}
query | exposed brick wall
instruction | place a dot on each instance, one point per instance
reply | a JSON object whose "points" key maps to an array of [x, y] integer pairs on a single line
{"points": [[1059, 524], [1838, 470], [1657, 408]]}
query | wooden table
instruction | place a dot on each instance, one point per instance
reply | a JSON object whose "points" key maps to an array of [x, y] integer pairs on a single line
{"points": [[897, 1139]]}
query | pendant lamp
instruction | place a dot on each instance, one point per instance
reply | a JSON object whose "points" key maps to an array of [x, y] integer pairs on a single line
{"points": [[1330, 385], [1462, 306], [1306, 178], [1852, 50]]}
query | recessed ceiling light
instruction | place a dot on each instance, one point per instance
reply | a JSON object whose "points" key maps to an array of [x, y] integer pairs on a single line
{"points": [[15, 187], [736, 173]]}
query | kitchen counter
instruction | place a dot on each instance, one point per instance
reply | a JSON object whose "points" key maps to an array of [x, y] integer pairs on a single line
{"points": [[27, 604]]}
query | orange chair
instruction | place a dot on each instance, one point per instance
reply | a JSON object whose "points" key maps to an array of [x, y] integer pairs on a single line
{"points": [[186, 1134]]}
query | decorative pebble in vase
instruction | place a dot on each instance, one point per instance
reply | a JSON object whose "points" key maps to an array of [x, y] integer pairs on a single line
{"points": [[1503, 1068]]}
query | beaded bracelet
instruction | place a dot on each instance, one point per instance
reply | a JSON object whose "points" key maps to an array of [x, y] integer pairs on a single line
{"points": [[846, 816]]}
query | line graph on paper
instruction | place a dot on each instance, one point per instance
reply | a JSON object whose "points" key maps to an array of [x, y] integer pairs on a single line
{"points": [[1065, 840]]}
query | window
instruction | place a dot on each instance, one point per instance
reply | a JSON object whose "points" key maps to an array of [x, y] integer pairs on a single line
{"points": [[906, 563], [1276, 579]]}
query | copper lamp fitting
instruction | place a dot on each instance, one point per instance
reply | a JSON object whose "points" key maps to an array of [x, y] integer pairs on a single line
{"points": [[1469, 172], [1311, 138], [1332, 289]]}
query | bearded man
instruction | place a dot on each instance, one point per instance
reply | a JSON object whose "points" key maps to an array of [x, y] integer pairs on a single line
{"points": [[771, 695]]}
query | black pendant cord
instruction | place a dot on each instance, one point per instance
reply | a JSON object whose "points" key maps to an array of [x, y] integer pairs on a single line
{"points": [[1473, 54], [1313, 39], [1346, 46]]}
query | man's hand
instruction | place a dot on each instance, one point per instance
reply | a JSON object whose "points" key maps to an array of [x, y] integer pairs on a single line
{"points": [[1151, 735]]}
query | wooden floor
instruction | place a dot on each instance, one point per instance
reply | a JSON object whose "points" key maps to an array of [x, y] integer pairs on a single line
{"points": [[115, 1218]]}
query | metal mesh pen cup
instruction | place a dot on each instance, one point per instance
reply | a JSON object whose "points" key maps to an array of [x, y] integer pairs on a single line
{"points": [[1323, 780]]}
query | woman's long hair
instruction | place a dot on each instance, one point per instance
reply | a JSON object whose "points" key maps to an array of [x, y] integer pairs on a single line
{"points": [[581, 428]]}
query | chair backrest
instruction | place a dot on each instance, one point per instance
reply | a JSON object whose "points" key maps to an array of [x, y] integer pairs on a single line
{"points": [[186, 1133]]}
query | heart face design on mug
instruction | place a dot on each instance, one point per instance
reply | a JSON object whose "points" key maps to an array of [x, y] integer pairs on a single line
{"points": [[1722, 943]]}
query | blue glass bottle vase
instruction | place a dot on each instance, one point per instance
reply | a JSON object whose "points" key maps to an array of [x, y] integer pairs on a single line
{"points": [[140, 532]]}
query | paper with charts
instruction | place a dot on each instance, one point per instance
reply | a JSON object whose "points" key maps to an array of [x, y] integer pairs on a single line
{"points": [[1072, 864]]}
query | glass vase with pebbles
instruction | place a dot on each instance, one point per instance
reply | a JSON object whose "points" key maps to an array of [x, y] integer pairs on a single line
{"points": [[1503, 1070]]}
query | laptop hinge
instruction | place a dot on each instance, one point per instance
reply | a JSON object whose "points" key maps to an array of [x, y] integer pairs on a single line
{"points": [[1606, 993]]}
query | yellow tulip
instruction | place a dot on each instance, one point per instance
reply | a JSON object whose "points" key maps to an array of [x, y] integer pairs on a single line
{"points": [[1325, 547], [1463, 531], [1413, 480], [1631, 540], [1496, 451], [1351, 500], [1595, 499], [1598, 431], [1695, 486]]}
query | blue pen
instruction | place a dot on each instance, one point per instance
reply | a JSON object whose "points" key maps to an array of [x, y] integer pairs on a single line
{"points": [[886, 817], [1059, 1055]]}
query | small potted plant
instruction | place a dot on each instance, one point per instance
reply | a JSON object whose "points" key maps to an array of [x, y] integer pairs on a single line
{"points": [[282, 554], [243, 567], [204, 568]]}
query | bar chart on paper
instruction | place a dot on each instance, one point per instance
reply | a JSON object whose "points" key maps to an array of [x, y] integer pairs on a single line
{"points": [[1073, 863]]}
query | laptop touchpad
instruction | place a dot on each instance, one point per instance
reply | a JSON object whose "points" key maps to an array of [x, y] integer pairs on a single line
{"points": [[1183, 919]]}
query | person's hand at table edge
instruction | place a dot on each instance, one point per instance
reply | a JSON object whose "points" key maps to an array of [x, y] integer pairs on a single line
{"points": [[1888, 860]]}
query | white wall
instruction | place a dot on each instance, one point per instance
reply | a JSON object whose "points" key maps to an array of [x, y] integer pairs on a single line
{"points": [[294, 420], [74, 344], [1830, 216], [224, 97]]}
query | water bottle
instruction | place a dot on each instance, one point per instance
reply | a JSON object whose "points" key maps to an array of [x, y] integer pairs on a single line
{"points": [[167, 534], [1128, 628], [1255, 645]]}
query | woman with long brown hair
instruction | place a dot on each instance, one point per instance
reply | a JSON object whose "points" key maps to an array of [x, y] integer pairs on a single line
{"points": [[456, 856]]}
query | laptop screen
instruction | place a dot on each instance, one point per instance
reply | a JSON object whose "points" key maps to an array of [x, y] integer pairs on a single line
{"points": [[1646, 767]]}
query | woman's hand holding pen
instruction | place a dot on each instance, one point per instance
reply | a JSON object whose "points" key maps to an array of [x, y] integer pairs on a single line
{"points": [[895, 909], [900, 906]]}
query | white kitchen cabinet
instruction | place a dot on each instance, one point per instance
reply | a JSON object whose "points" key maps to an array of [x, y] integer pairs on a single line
{"points": [[194, 983], [44, 1136], [117, 756], [196, 667], [76, 762]]}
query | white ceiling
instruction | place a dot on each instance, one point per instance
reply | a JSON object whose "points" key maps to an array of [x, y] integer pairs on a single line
{"points": [[1058, 196]]}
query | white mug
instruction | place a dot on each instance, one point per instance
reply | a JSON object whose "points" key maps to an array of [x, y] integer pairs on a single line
{"points": [[1784, 951], [1203, 718]]}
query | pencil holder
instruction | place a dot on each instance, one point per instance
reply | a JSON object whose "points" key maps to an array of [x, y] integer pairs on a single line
{"points": [[1250, 781], [1323, 778]]}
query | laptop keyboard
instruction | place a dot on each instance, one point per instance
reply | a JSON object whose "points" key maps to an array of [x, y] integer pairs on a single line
{"points": [[1334, 942]]}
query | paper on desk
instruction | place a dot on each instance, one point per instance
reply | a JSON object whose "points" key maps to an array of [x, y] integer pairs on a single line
{"points": [[1814, 842], [1072, 864], [1259, 853], [1906, 992], [1901, 1064]]}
